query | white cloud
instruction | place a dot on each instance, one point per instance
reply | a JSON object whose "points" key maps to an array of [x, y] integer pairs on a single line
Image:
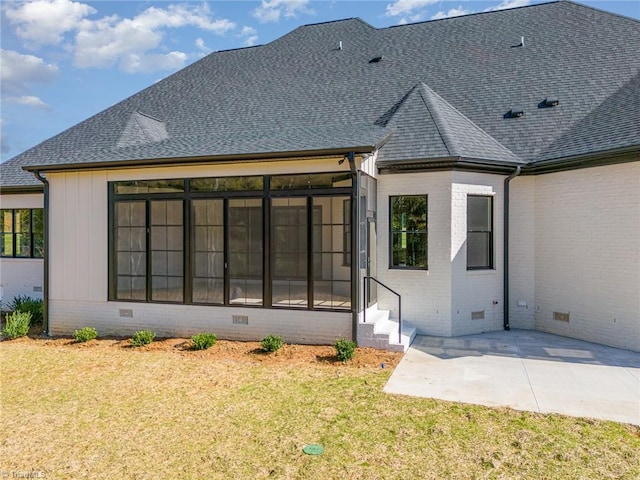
{"points": [[407, 7], [29, 101], [454, 12], [508, 4], [20, 70], [43, 22], [250, 34], [129, 43], [134, 63], [132, 44], [271, 10]]}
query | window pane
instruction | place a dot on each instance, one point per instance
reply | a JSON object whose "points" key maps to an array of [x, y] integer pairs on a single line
{"points": [[245, 251], [289, 232], [305, 182], [478, 213], [6, 232], [409, 231], [478, 250], [208, 253], [149, 186], [37, 216], [167, 254], [479, 232], [131, 264], [226, 184]]}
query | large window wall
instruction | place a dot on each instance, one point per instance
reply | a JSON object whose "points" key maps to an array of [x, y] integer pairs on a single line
{"points": [[264, 241]]}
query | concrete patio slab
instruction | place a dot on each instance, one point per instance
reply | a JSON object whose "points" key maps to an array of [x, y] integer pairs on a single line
{"points": [[524, 370]]}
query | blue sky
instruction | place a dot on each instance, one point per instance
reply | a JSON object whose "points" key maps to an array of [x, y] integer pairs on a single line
{"points": [[63, 60]]}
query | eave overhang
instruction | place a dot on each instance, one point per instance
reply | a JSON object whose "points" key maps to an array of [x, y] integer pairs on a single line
{"points": [[214, 159], [447, 163], [24, 189], [591, 159]]}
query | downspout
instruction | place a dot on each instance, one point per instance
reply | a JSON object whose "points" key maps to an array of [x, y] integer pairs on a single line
{"points": [[45, 287], [506, 247], [355, 261]]}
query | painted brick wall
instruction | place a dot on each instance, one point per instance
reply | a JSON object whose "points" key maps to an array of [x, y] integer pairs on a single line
{"points": [[426, 293], [587, 246], [20, 276], [522, 253], [475, 290], [319, 328]]}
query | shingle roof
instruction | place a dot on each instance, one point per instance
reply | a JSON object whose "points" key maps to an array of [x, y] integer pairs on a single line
{"points": [[442, 87]]}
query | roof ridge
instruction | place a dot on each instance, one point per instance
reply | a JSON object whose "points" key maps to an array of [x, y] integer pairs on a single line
{"points": [[388, 116], [450, 139]]}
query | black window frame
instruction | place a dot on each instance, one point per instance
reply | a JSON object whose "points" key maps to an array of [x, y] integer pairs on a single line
{"points": [[487, 231], [226, 191], [424, 232], [32, 234]]}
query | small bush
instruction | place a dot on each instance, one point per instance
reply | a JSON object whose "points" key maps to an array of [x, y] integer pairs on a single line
{"points": [[272, 343], [202, 341], [26, 304], [17, 324], [85, 334], [345, 349], [142, 337]]}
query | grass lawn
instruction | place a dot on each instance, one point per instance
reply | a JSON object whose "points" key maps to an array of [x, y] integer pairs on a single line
{"points": [[120, 413]]}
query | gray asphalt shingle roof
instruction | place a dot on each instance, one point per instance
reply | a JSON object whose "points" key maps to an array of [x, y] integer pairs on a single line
{"points": [[441, 89]]}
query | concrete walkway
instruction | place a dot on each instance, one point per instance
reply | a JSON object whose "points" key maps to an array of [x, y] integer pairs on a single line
{"points": [[524, 370]]}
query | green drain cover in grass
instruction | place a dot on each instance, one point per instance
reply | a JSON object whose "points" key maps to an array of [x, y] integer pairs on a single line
{"points": [[313, 449]]}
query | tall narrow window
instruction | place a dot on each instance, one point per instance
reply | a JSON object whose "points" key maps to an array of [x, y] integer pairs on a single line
{"points": [[166, 250], [408, 215], [479, 232], [131, 250], [245, 251], [6, 248], [289, 239], [208, 257], [331, 277]]}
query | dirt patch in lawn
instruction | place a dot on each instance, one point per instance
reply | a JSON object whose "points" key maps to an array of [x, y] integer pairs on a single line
{"points": [[250, 352]]}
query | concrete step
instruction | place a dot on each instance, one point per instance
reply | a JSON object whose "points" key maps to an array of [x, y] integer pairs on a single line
{"points": [[381, 332]]}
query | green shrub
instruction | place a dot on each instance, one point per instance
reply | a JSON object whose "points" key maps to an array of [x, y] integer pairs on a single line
{"points": [[17, 324], [142, 337], [202, 341], [345, 349], [272, 343], [85, 334], [26, 304]]}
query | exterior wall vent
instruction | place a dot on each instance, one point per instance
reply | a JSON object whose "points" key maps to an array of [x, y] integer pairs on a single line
{"points": [[549, 102], [561, 317], [515, 112], [240, 319], [477, 315]]}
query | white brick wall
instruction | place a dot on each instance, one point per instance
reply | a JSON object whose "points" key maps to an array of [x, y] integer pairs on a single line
{"points": [[20, 276], [440, 301], [475, 290], [587, 250], [522, 252], [305, 327], [426, 294]]}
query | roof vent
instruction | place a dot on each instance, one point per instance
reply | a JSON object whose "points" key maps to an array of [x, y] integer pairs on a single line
{"points": [[515, 112], [376, 59], [549, 102]]}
